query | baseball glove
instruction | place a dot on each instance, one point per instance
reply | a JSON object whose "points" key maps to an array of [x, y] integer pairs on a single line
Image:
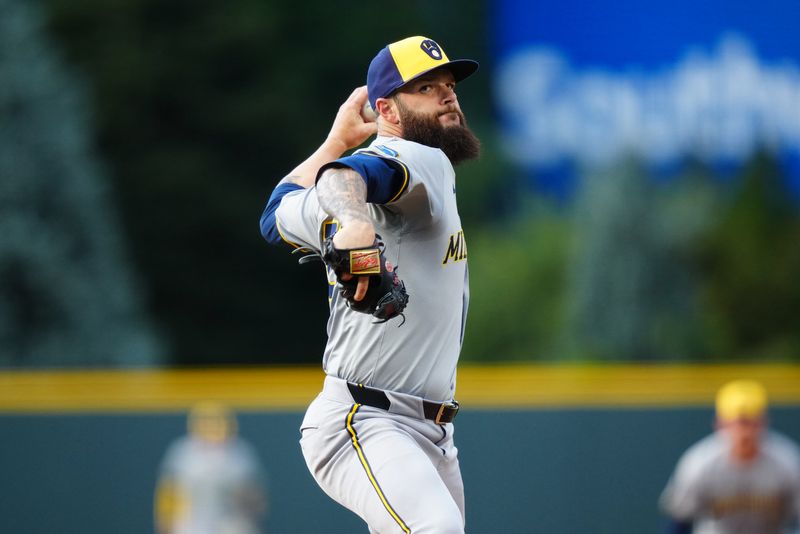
{"points": [[386, 296]]}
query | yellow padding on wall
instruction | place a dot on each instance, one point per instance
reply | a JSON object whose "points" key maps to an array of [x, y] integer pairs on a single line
{"points": [[618, 385], [280, 388], [479, 387]]}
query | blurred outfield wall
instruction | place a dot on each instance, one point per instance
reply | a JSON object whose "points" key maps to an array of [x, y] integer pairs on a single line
{"points": [[567, 449]]}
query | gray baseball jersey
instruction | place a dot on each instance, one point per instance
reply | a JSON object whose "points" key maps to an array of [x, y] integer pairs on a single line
{"points": [[214, 482], [722, 497], [422, 232]]}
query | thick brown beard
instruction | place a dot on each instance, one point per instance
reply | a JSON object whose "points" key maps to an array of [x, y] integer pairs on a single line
{"points": [[457, 142]]}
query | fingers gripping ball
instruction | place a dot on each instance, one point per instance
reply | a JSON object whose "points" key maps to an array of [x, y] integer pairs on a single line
{"points": [[386, 295]]}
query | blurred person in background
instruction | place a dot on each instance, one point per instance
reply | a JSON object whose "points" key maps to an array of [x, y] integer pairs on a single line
{"points": [[210, 481], [744, 478]]}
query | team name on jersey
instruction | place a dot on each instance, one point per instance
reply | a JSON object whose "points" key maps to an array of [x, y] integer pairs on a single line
{"points": [[769, 505], [456, 248]]}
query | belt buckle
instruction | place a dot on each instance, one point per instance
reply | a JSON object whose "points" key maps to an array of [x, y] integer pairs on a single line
{"points": [[448, 404]]}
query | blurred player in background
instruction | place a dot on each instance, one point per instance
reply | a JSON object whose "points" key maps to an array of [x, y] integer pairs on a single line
{"points": [[743, 478], [210, 481]]}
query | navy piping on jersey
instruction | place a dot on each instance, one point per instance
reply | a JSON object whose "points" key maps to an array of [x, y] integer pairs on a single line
{"points": [[386, 178], [269, 226]]}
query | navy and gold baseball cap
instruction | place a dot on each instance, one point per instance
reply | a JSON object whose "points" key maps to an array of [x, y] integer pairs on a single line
{"points": [[403, 61]]}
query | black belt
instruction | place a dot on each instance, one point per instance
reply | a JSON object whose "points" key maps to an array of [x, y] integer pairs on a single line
{"points": [[440, 413]]}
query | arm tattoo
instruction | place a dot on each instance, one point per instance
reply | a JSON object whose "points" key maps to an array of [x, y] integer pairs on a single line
{"points": [[342, 193]]}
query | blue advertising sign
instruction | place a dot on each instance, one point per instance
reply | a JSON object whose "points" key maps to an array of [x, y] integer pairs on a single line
{"points": [[591, 82]]}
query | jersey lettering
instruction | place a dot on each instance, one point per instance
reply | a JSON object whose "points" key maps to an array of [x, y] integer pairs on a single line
{"points": [[768, 505], [456, 249]]}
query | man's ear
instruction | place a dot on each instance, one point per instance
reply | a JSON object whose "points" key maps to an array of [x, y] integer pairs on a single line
{"points": [[387, 110]]}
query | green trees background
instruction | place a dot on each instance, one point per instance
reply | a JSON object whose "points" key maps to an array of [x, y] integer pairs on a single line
{"points": [[693, 269], [198, 108], [68, 295]]}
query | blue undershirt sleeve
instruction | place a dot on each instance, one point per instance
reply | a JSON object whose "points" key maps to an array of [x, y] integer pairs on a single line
{"points": [[386, 179], [675, 526], [269, 229]]}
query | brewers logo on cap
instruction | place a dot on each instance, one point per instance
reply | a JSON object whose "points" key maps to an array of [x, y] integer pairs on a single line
{"points": [[430, 47], [403, 61]]}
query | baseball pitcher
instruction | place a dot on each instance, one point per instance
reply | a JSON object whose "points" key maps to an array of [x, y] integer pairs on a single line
{"points": [[379, 437]]}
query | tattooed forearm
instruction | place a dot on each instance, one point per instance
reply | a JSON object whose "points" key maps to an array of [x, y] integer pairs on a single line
{"points": [[342, 193]]}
